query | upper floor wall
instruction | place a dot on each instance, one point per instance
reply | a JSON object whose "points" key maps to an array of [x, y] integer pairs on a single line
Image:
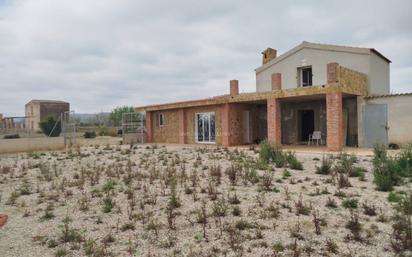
{"points": [[317, 57]]}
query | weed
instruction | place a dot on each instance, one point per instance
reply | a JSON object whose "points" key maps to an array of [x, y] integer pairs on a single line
{"points": [[350, 203], [354, 226], [325, 167]]}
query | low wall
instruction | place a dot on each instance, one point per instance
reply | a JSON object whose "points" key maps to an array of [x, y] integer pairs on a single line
{"points": [[31, 144], [399, 117]]}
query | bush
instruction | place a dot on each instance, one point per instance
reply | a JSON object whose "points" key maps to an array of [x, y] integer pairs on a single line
{"points": [[326, 165], [11, 136], [401, 239], [387, 171], [394, 197], [345, 164], [386, 174], [405, 161], [51, 127], [270, 153], [89, 134], [350, 203], [266, 151], [293, 162]]}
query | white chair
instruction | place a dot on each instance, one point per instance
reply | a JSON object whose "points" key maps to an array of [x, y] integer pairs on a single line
{"points": [[316, 136]]}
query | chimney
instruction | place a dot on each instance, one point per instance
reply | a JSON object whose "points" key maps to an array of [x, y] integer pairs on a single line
{"points": [[234, 87], [268, 55]]}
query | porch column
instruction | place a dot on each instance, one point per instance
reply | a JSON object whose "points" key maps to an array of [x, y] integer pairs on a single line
{"points": [[332, 72], [274, 121], [149, 127], [182, 126], [334, 121], [226, 124]]}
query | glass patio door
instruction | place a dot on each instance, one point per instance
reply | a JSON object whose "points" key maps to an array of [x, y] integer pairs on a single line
{"points": [[205, 127]]}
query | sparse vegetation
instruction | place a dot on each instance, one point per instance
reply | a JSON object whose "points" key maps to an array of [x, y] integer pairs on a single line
{"points": [[150, 201]]}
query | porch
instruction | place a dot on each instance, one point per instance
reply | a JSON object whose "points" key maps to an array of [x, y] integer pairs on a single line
{"points": [[292, 121]]}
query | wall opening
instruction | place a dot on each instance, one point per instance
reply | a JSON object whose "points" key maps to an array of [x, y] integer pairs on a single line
{"points": [[305, 76], [306, 124]]}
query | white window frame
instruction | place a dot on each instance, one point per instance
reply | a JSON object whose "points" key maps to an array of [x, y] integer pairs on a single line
{"points": [[161, 120], [196, 128], [300, 73]]}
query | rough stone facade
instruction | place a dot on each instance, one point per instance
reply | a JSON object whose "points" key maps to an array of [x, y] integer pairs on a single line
{"points": [[352, 80], [39, 110], [291, 123], [169, 132], [191, 125], [272, 115]]}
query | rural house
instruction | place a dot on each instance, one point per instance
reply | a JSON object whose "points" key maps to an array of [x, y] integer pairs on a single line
{"points": [[314, 93], [39, 110]]}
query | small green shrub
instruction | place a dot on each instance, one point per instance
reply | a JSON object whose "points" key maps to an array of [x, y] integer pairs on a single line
{"points": [[401, 238], [405, 161], [51, 127], [394, 197], [108, 204], [270, 153], [243, 224], [293, 162], [358, 172], [236, 211], [89, 134], [325, 167], [386, 174], [350, 203]]}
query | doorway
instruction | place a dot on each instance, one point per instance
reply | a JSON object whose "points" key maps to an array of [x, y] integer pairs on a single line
{"points": [[307, 124], [205, 128]]}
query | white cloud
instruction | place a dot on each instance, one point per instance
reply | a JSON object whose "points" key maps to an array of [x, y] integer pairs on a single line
{"points": [[100, 54]]}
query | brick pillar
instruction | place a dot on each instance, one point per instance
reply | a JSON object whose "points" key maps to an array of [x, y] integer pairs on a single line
{"points": [[182, 126], [331, 72], [276, 81], [334, 121], [234, 87], [226, 124], [274, 121], [149, 127]]}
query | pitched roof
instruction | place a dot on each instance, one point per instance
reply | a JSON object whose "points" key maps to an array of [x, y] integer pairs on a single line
{"points": [[337, 48]]}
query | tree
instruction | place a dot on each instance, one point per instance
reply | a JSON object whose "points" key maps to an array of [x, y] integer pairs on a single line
{"points": [[117, 113], [50, 127]]}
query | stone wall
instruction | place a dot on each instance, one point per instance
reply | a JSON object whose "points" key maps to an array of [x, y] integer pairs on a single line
{"points": [[352, 80], [31, 144], [399, 117], [53, 110], [169, 133], [190, 116], [290, 119]]}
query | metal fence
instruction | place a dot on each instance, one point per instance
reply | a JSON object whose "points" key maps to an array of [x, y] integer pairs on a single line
{"points": [[133, 128]]}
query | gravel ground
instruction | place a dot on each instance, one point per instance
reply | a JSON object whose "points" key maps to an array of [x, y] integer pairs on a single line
{"points": [[39, 191]]}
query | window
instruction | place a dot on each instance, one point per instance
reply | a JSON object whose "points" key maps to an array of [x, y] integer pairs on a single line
{"points": [[305, 76], [205, 127], [161, 120]]}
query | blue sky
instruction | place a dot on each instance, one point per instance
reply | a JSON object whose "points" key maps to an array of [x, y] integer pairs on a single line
{"points": [[101, 54]]}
